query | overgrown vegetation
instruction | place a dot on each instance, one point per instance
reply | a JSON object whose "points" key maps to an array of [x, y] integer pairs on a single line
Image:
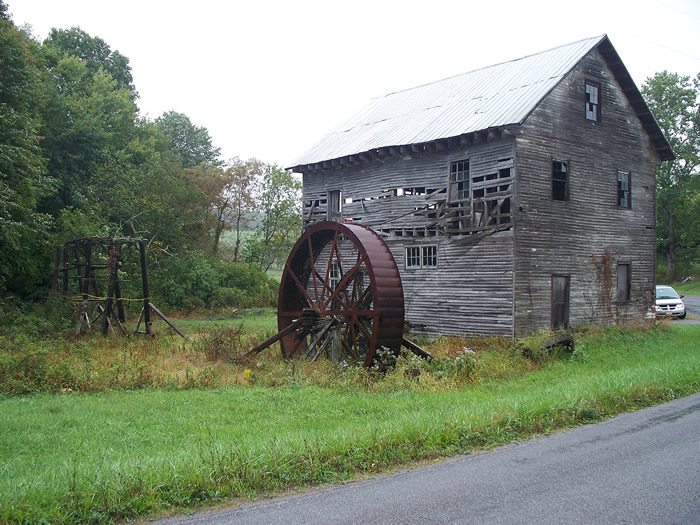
{"points": [[77, 160], [125, 428]]}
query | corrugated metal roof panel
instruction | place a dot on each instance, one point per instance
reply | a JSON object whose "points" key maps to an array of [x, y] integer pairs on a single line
{"points": [[485, 98]]}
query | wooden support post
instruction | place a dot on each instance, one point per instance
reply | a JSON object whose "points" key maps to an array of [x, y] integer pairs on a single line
{"points": [[413, 347], [56, 267], [279, 335], [168, 321], [112, 264], [65, 269], [117, 287], [146, 296]]}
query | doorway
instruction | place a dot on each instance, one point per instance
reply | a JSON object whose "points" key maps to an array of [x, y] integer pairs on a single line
{"points": [[560, 302]]}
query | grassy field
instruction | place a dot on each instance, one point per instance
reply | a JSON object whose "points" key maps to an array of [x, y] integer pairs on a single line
{"points": [[118, 454], [689, 288]]}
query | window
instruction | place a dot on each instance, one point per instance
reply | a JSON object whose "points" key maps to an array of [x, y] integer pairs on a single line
{"points": [[623, 283], [334, 276], [592, 101], [334, 205], [623, 190], [429, 256], [421, 256], [459, 181], [560, 180]]}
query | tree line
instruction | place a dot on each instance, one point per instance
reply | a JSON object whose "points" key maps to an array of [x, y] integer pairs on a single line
{"points": [[78, 160]]}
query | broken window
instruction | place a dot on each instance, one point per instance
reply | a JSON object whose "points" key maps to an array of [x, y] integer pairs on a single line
{"points": [[560, 180], [421, 256], [459, 181], [623, 189], [334, 205], [592, 101], [623, 282]]}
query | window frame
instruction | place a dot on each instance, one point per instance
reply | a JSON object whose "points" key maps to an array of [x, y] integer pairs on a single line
{"points": [[566, 181], [465, 190], [334, 205], [628, 191], [627, 295], [597, 103], [421, 256]]}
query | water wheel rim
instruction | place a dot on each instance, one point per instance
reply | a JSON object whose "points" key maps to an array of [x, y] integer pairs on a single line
{"points": [[303, 287]]}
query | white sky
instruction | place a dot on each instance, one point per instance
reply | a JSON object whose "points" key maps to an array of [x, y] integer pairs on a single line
{"points": [[269, 78]]}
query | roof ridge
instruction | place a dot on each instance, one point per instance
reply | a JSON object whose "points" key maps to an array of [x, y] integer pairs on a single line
{"points": [[595, 38]]}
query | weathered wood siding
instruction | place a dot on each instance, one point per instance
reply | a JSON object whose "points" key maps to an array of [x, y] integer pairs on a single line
{"points": [[471, 290], [469, 293], [587, 236]]}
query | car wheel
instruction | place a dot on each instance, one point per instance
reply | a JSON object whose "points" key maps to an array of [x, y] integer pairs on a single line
{"points": [[682, 316]]}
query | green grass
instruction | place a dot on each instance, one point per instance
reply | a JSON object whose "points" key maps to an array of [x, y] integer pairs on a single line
{"points": [[256, 319], [122, 454], [689, 288]]}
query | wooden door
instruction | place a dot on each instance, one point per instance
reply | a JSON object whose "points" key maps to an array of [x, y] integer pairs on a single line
{"points": [[560, 302]]}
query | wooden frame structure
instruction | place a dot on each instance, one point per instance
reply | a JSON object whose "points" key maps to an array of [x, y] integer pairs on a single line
{"points": [[83, 261]]}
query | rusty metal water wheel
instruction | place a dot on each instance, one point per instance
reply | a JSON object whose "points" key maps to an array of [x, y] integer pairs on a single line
{"points": [[340, 295]]}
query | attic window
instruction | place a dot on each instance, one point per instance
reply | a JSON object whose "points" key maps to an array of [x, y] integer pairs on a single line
{"points": [[592, 101]]}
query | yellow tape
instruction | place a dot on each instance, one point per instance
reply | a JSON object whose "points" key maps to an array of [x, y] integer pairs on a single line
{"points": [[126, 299]]}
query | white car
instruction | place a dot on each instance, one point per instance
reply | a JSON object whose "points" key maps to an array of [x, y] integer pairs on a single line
{"points": [[668, 303]]}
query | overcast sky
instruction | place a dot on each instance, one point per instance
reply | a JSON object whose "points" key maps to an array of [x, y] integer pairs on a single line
{"points": [[270, 78]]}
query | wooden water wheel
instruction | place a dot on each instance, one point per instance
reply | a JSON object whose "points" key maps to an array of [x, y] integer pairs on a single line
{"points": [[340, 295]]}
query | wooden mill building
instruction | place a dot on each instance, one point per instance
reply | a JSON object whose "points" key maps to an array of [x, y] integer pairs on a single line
{"points": [[514, 197]]}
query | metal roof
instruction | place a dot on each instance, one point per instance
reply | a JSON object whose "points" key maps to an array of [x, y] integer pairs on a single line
{"points": [[485, 98]]}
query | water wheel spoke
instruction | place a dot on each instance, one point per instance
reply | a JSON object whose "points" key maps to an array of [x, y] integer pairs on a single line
{"points": [[313, 267], [298, 284], [346, 313], [346, 278], [341, 297], [362, 328], [349, 350], [334, 246], [362, 302]]}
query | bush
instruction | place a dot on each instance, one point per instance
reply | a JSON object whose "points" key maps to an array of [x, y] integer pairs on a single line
{"points": [[186, 280], [193, 280]]}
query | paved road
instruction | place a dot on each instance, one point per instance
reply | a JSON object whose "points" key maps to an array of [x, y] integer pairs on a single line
{"points": [[692, 305], [641, 467]]}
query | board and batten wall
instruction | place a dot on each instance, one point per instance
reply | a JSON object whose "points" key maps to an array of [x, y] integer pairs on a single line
{"points": [[588, 235], [471, 290]]}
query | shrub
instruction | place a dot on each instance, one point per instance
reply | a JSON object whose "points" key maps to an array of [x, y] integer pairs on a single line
{"points": [[186, 280]]}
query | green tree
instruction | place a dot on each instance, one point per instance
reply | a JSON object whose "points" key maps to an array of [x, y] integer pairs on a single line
{"points": [[191, 144], [279, 205], [235, 204], [675, 102], [93, 51], [23, 231], [88, 120]]}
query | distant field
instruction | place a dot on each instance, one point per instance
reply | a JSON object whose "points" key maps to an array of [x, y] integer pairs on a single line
{"points": [[228, 239]]}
